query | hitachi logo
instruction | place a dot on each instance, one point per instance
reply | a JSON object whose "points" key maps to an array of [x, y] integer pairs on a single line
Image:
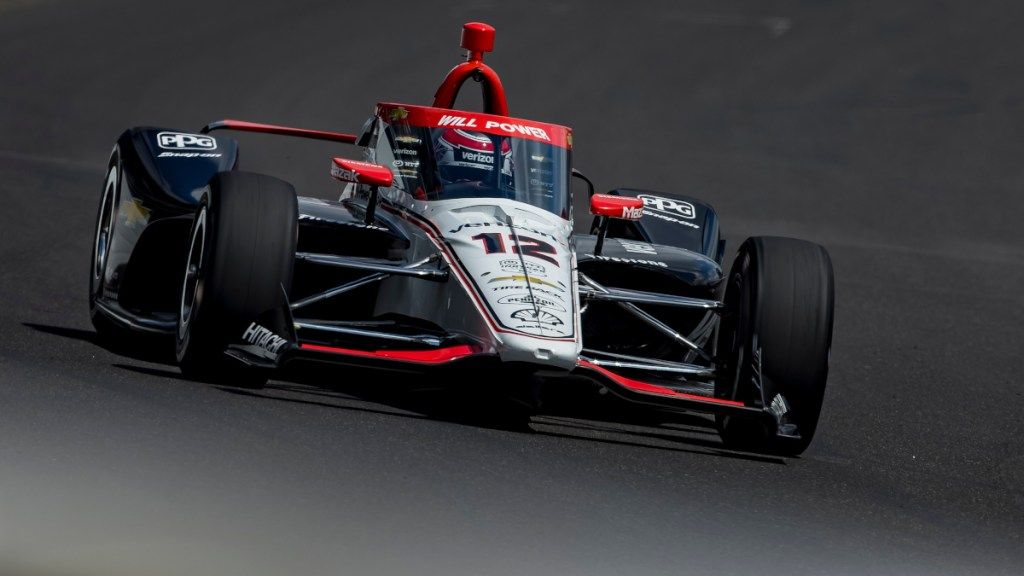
{"points": [[259, 336]]}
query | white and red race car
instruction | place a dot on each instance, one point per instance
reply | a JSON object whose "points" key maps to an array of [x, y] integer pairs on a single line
{"points": [[451, 246]]}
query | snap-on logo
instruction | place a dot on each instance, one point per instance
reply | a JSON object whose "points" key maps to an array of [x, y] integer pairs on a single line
{"points": [[182, 141]]}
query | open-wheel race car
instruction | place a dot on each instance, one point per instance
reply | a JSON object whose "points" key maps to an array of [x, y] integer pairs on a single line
{"points": [[452, 245]]}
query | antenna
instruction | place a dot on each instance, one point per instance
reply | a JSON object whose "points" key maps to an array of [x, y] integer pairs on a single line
{"points": [[477, 39]]}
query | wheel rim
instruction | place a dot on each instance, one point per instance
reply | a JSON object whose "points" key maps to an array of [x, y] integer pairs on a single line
{"points": [[190, 287], [101, 245]]}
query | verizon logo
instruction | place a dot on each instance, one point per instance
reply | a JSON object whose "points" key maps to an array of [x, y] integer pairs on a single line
{"points": [[464, 122]]}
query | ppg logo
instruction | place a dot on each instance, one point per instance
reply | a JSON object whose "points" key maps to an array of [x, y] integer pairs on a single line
{"points": [[669, 206], [180, 141]]}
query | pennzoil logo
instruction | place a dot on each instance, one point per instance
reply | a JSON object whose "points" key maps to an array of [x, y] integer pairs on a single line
{"points": [[527, 299], [538, 316]]}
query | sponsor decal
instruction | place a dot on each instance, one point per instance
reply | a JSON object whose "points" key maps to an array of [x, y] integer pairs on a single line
{"points": [[405, 152], [630, 213], [632, 261], [512, 128], [311, 218], [409, 164], [477, 157], [188, 155], [638, 247], [500, 224], [524, 298], [320, 220], [670, 206], [133, 212], [779, 407], [539, 317], [568, 140], [343, 174], [398, 114], [185, 141], [409, 140], [263, 338], [510, 265], [668, 218], [463, 122], [521, 278], [350, 175], [535, 289], [449, 120]]}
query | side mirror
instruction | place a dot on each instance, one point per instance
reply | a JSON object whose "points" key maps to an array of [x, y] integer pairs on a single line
{"points": [[607, 207], [361, 172], [373, 175], [620, 207]]}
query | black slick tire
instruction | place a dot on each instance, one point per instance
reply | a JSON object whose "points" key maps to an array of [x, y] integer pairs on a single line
{"points": [[775, 338], [241, 255]]}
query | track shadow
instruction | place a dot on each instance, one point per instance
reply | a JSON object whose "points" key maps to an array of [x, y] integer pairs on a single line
{"points": [[570, 410], [148, 348], [459, 398], [623, 433], [172, 373], [574, 411]]}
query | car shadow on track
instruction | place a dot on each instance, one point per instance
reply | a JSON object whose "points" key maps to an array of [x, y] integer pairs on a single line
{"points": [[571, 409], [589, 419], [148, 348]]}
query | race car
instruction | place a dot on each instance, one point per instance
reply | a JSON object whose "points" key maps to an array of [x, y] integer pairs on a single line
{"points": [[451, 246]]}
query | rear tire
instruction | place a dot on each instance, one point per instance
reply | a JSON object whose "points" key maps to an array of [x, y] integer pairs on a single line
{"points": [[240, 261], [776, 338]]}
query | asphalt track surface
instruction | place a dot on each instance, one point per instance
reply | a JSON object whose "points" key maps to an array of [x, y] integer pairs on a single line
{"points": [[891, 132]]}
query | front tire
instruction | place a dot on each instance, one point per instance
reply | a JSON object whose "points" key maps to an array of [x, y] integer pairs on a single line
{"points": [[776, 338], [109, 331], [240, 261]]}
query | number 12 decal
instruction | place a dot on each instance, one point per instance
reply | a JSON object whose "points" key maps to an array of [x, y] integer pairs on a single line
{"points": [[494, 243]]}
